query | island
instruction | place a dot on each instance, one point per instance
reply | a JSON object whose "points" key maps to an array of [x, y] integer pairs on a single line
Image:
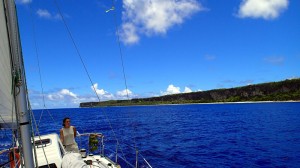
{"points": [[287, 90]]}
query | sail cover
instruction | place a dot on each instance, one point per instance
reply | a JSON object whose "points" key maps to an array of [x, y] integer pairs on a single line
{"points": [[7, 107]]}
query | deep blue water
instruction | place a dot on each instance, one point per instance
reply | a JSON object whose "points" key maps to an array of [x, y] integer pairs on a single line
{"points": [[206, 135]]}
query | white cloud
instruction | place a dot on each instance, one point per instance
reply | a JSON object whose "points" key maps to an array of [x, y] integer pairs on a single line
{"points": [[63, 98], [44, 13], [129, 34], [187, 90], [62, 94], [175, 90], [104, 95], [171, 90], [154, 17], [123, 94], [58, 99], [266, 9], [23, 1]]}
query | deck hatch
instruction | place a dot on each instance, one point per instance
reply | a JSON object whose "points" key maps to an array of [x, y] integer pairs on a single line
{"points": [[42, 143]]}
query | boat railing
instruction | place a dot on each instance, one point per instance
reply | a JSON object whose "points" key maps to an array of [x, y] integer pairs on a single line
{"points": [[93, 142], [96, 143]]}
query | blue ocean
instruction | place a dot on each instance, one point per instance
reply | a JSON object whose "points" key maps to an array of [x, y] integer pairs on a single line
{"points": [[200, 135]]}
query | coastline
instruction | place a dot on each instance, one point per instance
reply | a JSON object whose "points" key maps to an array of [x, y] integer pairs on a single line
{"points": [[243, 102]]}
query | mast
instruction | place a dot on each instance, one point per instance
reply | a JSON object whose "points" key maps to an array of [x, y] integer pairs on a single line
{"points": [[21, 95]]}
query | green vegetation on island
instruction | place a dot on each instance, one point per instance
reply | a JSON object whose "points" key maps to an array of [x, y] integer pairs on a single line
{"points": [[287, 90]]}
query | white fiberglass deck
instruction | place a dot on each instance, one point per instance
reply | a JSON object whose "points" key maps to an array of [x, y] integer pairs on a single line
{"points": [[50, 152], [50, 146]]}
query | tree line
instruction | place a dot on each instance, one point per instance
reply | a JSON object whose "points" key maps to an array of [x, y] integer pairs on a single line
{"points": [[287, 90]]}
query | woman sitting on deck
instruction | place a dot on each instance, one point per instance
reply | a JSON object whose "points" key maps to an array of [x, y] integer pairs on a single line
{"points": [[67, 136]]}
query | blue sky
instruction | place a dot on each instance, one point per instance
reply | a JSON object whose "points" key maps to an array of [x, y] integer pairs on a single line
{"points": [[169, 46]]}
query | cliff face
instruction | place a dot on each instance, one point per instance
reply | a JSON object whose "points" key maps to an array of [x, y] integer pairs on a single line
{"points": [[273, 91]]}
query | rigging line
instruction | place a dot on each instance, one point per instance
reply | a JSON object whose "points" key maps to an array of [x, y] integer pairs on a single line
{"points": [[32, 133], [4, 121], [129, 145], [94, 89], [77, 50], [120, 50], [38, 62], [146, 160], [37, 55], [45, 108], [85, 68], [123, 68], [12, 109], [38, 132], [124, 159], [49, 113], [13, 60], [5, 163], [40, 117], [16, 134], [12, 118], [51, 116], [6, 134]]}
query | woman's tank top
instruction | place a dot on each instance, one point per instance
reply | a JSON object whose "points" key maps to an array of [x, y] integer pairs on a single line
{"points": [[68, 136]]}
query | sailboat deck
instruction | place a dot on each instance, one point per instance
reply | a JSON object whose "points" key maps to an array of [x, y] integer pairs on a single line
{"points": [[50, 146], [100, 161]]}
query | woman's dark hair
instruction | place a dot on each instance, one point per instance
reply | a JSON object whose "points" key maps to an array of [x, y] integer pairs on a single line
{"points": [[64, 120]]}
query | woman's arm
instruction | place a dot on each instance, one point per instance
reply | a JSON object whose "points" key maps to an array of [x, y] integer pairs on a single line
{"points": [[61, 135], [74, 129]]}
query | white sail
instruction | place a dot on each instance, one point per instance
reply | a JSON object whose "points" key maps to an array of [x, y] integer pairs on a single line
{"points": [[11, 56], [7, 107]]}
